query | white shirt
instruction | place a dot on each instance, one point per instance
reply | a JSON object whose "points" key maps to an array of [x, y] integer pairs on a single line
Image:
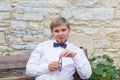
{"points": [[45, 53]]}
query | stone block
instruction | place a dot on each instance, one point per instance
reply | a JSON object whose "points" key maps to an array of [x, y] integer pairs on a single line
{"points": [[19, 25], [2, 37], [4, 16], [5, 7], [33, 16]]}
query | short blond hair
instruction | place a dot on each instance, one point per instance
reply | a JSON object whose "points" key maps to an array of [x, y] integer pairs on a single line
{"points": [[59, 21]]}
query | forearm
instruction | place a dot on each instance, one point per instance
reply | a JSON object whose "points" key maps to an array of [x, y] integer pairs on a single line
{"points": [[36, 70], [82, 66]]}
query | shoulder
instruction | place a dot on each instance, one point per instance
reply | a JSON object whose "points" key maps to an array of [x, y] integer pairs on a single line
{"points": [[45, 43], [73, 47]]}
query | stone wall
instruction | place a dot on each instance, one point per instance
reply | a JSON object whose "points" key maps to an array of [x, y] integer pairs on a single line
{"points": [[95, 25]]}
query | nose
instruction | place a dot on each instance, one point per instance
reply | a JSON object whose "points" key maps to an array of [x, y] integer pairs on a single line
{"points": [[60, 33]]}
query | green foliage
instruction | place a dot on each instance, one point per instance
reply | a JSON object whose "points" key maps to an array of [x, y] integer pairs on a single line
{"points": [[103, 68]]}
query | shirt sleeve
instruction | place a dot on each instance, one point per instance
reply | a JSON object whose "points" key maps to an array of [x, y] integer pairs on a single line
{"points": [[82, 65], [33, 67]]}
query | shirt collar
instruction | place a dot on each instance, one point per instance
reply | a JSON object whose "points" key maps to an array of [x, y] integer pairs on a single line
{"points": [[57, 42]]}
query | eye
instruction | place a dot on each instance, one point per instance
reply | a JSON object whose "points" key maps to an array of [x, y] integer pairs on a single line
{"points": [[56, 30], [63, 30]]}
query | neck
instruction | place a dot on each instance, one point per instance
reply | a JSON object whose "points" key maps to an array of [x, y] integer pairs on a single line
{"points": [[61, 42]]}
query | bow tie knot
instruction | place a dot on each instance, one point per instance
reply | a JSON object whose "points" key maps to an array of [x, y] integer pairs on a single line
{"points": [[59, 45]]}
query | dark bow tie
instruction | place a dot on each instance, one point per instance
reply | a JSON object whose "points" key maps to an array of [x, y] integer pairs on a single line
{"points": [[59, 45]]}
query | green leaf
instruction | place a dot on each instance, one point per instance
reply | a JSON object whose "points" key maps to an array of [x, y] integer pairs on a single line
{"points": [[110, 60], [98, 57], [100, 65], [110, 75], [107, 67], [93, 59], [103, 68], [118, 72], [105, 56], [98, 71]]}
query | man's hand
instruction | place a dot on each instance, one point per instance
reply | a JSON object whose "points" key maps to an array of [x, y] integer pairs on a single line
{"points": [[54, 66], [67, 53]]}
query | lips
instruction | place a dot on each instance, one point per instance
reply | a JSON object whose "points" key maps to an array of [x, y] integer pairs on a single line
{"points": [[61, 38]]}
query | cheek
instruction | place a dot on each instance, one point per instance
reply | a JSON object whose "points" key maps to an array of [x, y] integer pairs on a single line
{"points": [[54, 34], [67, 33]]}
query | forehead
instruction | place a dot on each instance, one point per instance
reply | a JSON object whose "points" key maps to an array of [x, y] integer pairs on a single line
{"points": [[63, 26]]}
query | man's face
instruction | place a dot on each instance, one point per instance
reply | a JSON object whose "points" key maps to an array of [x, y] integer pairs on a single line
{"points": [[61, 33]]}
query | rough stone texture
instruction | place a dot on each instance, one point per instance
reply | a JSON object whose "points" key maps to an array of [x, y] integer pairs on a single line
{"points": [[4, 23], [89, 13], [83, 41], [95, 25], [4, 16], [89, 2], [5, 7], [2, 38], [117, 13], [21, 26]]}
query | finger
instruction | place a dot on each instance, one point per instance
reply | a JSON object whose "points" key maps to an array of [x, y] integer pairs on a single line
{"points": [[70, 54], [63, 53], [67, 54], [55, 64], [55, 67], [52, 68]]}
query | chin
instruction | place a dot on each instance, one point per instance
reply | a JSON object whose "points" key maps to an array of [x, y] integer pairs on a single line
{"points": [[61, 42]]}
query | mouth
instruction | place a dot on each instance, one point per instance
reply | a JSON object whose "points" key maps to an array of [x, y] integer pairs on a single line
{"points": [[61, 38]]}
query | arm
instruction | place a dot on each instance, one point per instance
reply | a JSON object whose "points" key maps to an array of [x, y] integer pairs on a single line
{"points": [[33, 67], [82, 65]]}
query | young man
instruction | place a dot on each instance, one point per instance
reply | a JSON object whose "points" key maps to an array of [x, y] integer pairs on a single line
{"points": [[58, 59]]}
